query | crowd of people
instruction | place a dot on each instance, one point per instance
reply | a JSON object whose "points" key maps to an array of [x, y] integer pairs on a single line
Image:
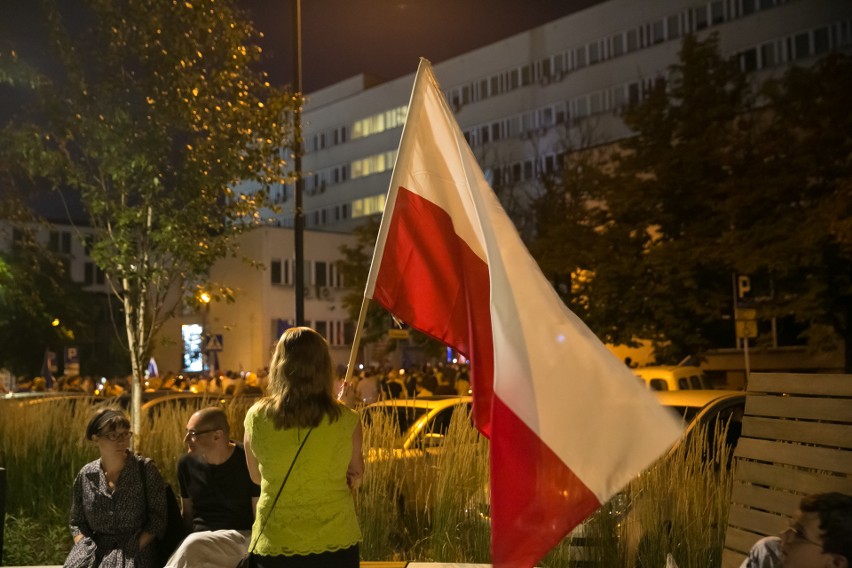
{"points": [[284, 495], [372, 384], [230, 382]]}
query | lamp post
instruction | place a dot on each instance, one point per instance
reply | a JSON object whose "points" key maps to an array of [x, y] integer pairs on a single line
{"points": [[298, 216]]}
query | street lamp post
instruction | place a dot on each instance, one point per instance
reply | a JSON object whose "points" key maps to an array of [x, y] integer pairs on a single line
{"points": [[298, 216]]}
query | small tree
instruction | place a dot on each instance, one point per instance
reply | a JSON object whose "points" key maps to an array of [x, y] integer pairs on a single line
{"points": [[155, 117]]}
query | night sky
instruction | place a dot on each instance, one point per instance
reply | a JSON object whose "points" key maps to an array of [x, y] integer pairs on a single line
{"points": [[341, 38]]}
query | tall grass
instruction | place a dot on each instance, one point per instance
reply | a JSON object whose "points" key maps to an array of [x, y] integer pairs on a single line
{"points": [[427, 506]]}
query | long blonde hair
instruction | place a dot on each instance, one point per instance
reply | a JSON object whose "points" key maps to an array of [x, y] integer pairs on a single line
{"points": [[300, 381]]}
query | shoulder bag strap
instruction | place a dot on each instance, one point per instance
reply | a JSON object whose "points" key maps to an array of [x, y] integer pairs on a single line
{"points": [[263, 525]]}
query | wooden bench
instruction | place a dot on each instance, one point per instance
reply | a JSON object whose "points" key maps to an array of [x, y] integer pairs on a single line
{"points": [[796, 440]]}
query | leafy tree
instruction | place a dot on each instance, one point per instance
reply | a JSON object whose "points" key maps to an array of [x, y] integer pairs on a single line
{"points": [[40, 306], [790, 216], [717, 180], [155, 116]]}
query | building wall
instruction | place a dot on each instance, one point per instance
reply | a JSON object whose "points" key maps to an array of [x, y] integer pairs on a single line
{"points": [[249, 326], [569, 101]]}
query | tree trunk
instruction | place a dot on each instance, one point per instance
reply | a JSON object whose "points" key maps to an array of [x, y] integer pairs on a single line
{"points": [[133, 345]]}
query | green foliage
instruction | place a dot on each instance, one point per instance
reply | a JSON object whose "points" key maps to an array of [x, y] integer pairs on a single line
{"points": [[35, 290], [719, 179], [37, 539], [154, 118]]}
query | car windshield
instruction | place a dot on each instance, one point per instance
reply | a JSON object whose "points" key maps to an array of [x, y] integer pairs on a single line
{"points": [[686, 413], [392, 421]]}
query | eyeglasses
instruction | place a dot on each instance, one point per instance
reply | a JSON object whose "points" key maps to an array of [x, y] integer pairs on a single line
{"points": [[194, 434], [116, 436], [796, 535]]}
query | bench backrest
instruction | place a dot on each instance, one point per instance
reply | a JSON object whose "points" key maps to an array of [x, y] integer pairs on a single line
{"points": [[796, 440]]}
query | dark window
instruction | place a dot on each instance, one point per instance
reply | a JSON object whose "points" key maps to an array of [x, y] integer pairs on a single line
{"points": [[321, 273], [275, 271], [821, 41], [580, 57], [748, 60], [495, 131], [495, 86], [483, 89], [674, 27], [88, 274], [767, 55], [322, 328], [658, 385], [617, 45], [513, 79], [633, 93], [632, 40], [526, 75], [749, 7], [99, 276], [717, 13], [699, 16], [803, 46], [594, 53], [657, 34]]}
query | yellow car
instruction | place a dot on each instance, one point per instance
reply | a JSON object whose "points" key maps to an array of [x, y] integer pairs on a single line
{"points": [[672, 378]]}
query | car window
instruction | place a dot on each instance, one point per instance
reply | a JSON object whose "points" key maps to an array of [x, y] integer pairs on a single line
{"points": [[695, 382], [400, 418], [658, 385], [683, 383], [440, 423]]}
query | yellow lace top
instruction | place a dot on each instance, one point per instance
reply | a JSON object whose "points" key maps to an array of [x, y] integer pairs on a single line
{"points": [[316, 511]]}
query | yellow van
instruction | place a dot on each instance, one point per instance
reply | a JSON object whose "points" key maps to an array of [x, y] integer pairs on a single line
{"points": [[669, 377]]}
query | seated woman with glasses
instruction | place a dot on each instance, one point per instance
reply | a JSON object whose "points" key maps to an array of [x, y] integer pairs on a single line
{"points": [[819, 536], [119, 501]]}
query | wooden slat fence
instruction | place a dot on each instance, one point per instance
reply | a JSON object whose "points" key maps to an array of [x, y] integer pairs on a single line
{"points": [[796, 440]]}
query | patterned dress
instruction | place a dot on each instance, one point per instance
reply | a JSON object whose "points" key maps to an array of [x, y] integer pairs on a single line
{"points": [[111, 521]]}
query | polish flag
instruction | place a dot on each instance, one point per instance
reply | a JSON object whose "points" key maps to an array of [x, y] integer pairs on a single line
{"points": [[569, 423]]}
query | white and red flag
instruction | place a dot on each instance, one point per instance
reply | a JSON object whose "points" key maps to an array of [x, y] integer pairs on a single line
{"points": [[569, 423]]}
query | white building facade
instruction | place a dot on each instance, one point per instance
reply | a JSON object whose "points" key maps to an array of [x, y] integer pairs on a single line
{"points": [[525, 100], [264, 304]]}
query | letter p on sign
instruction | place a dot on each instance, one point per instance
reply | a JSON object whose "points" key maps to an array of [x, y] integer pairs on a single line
{"points": [[743, 286]]}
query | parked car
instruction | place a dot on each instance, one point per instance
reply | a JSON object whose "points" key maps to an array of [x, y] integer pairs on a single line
{"points": [[408, 435], [419, 423], [671, 378], [420, 427]]}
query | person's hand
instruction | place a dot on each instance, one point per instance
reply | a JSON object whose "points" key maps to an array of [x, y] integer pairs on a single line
{"points": [[353, 479], [346, 394]]}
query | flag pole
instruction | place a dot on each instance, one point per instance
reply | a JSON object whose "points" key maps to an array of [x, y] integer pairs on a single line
{"points": [[356, 341]]}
